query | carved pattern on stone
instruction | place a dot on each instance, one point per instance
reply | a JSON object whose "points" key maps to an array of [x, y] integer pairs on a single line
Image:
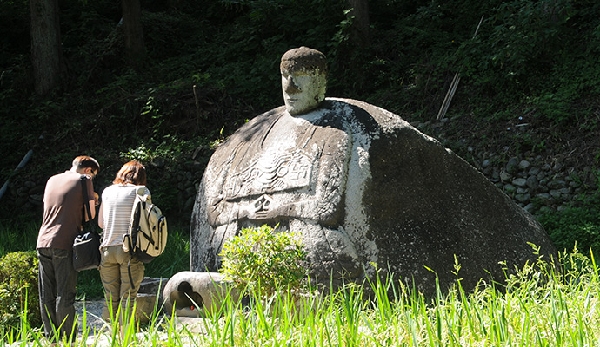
{"points": [[272, 172]]}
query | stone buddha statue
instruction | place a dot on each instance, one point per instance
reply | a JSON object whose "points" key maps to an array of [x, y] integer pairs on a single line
{"points": [[365, 190], [287, 168]]}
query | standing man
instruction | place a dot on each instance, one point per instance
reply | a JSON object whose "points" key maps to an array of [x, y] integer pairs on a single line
{"points": [[63, 218]]}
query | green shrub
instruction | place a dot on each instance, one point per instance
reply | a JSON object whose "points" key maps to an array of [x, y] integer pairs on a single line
{"points": [[176, 257], [89, 285], [263, 260], [18, 290], [575, 226]]}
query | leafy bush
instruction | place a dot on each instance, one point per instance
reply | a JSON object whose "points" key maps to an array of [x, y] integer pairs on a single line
{"points": [[264, 260], [89, 285], [577, 226], [176, 257], [18, 289]]}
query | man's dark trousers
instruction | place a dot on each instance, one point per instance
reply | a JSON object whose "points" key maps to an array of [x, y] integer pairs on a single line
{"points": [[57, 283]]}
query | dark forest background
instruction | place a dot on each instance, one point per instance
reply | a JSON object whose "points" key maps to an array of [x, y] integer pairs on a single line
{"points": [[164, 81]]}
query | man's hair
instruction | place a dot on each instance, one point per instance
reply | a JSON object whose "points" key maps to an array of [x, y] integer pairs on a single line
{"points": [[304, 58], [84, 161], [132, 172]]}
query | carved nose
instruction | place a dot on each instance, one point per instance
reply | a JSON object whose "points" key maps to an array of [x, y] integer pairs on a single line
{"points": [[291, 87]]}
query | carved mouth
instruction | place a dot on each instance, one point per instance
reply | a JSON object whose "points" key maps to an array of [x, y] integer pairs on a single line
{"points": [[291, 101]]}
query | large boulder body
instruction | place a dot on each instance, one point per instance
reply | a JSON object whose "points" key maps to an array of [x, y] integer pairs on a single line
{"points": [[368, 192]]}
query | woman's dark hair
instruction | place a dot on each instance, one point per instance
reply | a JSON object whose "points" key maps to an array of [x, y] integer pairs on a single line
{"points": [[84, 161], [132, 172]]}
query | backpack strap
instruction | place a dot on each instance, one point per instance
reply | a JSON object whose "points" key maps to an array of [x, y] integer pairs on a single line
{"points": [[86, 201], [129, 271], [140, 190]]}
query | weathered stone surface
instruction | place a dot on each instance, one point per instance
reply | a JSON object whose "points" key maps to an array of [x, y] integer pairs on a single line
{"points": [[365, 189], [194, 292], [152, 285], [149, 298], [145, 304]]}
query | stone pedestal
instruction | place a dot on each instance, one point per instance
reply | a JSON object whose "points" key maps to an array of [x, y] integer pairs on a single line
{"points": [[149, 297]]}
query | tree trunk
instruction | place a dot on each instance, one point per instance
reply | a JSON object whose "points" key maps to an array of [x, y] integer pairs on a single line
{"points": [[46, 51], [360, 33], [133, 33]]}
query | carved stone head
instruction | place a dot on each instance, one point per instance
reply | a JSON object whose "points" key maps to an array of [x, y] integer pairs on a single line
{"points": [[303, 79]]}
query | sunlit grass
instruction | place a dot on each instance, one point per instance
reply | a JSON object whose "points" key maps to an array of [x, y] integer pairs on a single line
{"points": [[538, 306]]}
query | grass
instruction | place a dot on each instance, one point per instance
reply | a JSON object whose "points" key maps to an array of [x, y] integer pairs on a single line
{"points": [[538, 306], [18, 235]]}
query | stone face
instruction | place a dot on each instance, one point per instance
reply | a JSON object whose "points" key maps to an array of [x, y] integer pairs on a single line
{"points": [[366, 190]]}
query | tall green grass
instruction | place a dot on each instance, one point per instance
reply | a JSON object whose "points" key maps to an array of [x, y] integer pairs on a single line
{"points": [[18, 235], [537, 306]]}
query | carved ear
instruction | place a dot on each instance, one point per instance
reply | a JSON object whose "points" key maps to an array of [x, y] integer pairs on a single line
{"points": [[179, 300], [197, 299], [184, 286], [185, 296]]}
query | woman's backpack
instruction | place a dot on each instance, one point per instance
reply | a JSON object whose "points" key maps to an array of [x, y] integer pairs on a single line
{"points": [[147, 235]]}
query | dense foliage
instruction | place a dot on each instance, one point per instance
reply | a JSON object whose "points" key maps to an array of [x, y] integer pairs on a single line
{"points": [[18, 290], [263, 260], [211, 65], [579, 225]]}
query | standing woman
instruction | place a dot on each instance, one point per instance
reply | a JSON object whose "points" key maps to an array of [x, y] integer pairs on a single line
{"points": [[120, 273]]}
